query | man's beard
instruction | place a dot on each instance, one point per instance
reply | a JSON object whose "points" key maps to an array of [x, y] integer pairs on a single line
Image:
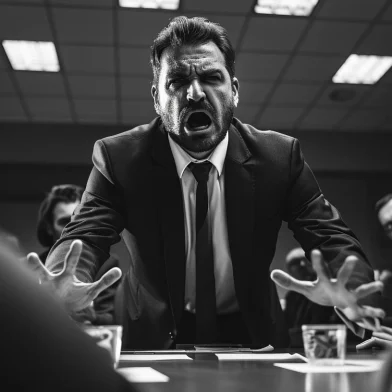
{"points": [[176, 126]]}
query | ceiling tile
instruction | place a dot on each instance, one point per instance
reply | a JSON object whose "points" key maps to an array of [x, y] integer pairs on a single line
{"points": [[24, 23], [322, 118], [11, 109], [253, 92], [138, 27], [84, 26], [83, 3], [358, 92], [247, 113], [254, 66], [133, 88], [313, 68], [99, 59], [137, 112], [24, 1], [332, 37], [279, 118], [381, 96], [378, 42], [290, 94], [388, 14], [49, 109], [350, 9], [364, 119], [232, 24], [221, 6], [135, 61], [96, 111], [6, 85], [39, 83], [273, 33], [83, 86]]}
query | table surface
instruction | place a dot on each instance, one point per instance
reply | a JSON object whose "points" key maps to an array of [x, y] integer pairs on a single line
{"points": [[206, 373]]}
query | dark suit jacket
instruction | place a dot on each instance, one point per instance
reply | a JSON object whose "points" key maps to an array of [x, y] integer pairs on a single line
{"points": [[134, 186]]}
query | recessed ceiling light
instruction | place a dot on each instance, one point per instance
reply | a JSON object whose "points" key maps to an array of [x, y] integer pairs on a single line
{"points": [[32, 55], [163, 4], [361, 69], [285, 7]]}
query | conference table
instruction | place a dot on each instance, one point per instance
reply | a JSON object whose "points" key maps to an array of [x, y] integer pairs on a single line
{"points": [[206, 373]]}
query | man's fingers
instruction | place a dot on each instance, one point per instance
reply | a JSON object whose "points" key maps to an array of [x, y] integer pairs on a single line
{"points": [[286, 281], [385, 275], [372, 324], [386, 329], [106, 281], [319, 265], [369, 311], [368, 288], [382, 335], [346, 269], [72, 257], [34, 263]]}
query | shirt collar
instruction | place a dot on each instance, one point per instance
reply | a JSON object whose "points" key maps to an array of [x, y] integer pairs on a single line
{"points": [[183, 159]]}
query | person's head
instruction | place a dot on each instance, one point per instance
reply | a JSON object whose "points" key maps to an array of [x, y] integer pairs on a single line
{"points": [[194, 87], [55, 212], [298, 266], [384, 213]]}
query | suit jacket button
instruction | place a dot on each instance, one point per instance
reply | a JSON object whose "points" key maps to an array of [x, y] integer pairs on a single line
{"points": [[171, 335]]}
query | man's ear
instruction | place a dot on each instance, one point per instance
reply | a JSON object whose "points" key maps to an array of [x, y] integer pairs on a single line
{"points": [[236, 89], [154, 93]]}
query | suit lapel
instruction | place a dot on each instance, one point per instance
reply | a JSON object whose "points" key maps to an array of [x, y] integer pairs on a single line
{"points": [[171, 219], [240, 211]]}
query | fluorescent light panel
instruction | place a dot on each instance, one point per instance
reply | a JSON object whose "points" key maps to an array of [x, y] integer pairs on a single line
{"points": [[361, 69], [32, 55], [163, 4], [285, 7]]}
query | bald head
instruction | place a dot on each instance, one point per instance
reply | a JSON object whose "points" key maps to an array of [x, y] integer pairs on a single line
{"points": [[298, 266]]}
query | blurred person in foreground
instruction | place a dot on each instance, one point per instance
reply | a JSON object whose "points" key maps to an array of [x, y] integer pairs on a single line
{"points": [[42, 348], [197, 181]]}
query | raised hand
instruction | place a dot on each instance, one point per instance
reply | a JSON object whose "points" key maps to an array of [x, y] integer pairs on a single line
{"points": [[74, 294], [333, 292]]}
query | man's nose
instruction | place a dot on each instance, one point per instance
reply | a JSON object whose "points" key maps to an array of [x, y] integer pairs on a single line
{"points": [[195, 92]]}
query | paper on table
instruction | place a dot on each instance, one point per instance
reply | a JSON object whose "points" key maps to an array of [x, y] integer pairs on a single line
{"points": [[154, 357], [217, 349], [142, 374], [351, 366], [254, 356]]}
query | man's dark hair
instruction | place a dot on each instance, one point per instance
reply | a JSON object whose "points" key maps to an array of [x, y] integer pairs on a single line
{"points": [[67, 193], [191, 31], [381, 203]]}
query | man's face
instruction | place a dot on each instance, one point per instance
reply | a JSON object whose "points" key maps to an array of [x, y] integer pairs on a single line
{"points": [[385, 218], [61, 216], [195, 96]]}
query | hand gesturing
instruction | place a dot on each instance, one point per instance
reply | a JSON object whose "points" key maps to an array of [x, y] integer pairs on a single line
{"points": [[333, 292], [74, 294]]}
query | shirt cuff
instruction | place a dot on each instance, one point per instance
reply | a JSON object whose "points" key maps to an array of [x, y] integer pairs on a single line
{"points": [[356, 329]]}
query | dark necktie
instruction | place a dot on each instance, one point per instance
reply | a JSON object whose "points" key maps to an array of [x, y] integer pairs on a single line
{"points": [[205, 280]]}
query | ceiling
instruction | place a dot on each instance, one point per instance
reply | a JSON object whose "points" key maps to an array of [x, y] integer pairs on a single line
{"points": [[284, 64]]}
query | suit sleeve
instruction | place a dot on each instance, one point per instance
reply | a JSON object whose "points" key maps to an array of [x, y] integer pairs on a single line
{"points": [[97, 221], [316, 223]]}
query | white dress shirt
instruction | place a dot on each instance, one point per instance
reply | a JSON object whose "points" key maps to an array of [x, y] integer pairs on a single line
{"points": [[226, 300]]}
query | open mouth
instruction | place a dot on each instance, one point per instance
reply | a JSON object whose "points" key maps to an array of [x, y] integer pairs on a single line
{"points": [[198, 121]]}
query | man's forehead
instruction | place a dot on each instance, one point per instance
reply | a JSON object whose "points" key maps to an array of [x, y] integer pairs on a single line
{"points": [[204, 56], [386, 211]]}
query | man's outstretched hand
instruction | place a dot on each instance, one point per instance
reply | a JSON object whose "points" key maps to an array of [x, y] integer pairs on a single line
{"points": [[333, 292], [74, 294]]}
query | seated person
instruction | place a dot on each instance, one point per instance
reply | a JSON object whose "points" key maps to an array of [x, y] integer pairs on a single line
{"points": [[55, 212], [384, 213], [43, 349]]}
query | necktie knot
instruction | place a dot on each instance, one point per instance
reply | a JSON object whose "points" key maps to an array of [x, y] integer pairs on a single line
{"points": [[201, 171]]}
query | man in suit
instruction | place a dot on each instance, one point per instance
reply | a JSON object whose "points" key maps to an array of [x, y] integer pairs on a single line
{"points": [[201, 198], [383, 209]]}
